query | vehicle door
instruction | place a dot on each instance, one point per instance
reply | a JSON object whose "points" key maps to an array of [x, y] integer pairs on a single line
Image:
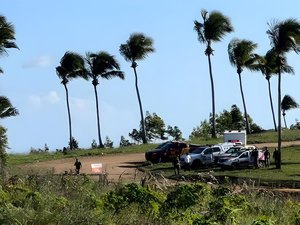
{"points": [[244, 159], [207, 157]]}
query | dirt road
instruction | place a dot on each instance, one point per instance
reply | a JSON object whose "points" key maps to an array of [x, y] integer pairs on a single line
{"points": [[118, 167]]}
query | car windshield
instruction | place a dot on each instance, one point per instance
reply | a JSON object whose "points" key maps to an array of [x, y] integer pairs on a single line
{"points": [[162, 145], [232, 150], [199, 150], [236, 154]]}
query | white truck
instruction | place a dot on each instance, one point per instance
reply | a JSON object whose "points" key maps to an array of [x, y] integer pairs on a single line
{"points": [[235, 136], [205, 155]]}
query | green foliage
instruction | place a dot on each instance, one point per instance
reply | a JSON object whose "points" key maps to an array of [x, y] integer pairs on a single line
{"points": [[108, 143], [94, 144], [124, 142], [263, 220], [155, 129], [227, 120], [133, 194], [73, 144]]}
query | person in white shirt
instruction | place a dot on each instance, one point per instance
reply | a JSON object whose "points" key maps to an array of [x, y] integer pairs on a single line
{"points": [[187, 162]]}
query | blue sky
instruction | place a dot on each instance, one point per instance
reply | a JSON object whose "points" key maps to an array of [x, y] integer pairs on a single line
{"points": [[174, 81]]}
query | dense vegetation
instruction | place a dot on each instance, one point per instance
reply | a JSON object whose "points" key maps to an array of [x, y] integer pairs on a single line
{"points": [[80, 200]]}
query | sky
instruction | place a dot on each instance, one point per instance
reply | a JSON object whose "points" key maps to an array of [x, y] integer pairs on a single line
{"points": [[173, 81]]}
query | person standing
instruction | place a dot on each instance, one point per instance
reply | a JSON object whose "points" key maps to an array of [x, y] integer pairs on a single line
{"points": [[187, 162], [276, 156], [267, 157], [77, 165], [176, 164]]}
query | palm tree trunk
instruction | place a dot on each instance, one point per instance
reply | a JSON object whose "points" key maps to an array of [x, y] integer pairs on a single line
{"points": [[244, 104], [69, 115], [284, 120], [141, 108], [213, 130], [98, 118], [278, 165], [272, 108]]}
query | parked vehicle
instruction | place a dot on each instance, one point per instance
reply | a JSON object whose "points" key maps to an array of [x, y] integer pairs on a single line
{"points": [[241, 159], [232, 150], [204, 156], [167, 151]]}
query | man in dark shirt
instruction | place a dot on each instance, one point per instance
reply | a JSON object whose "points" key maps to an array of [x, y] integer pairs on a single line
{"points": [[77, 165]]}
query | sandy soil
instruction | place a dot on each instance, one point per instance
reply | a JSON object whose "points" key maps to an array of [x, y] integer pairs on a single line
{"points": [[121, 166]]}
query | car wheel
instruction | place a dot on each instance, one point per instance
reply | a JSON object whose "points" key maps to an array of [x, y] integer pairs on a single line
{"points": [[235, 166], [197, 164]]}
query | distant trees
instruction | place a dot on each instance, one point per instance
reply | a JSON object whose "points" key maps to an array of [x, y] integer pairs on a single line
{"points": [[137, 47], [156, 130], [213, 28], [226, 120]]}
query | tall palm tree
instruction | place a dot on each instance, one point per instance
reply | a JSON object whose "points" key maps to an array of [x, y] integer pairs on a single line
{"points": [[103, 65], [268, 67], [284, 37], [71, 66], [213, 28], [241, 56], [287, 103], [6, 108], [137, 47], [7, 36]]}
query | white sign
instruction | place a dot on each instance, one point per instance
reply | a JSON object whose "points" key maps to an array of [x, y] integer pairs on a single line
{"points": [[96, 167]]}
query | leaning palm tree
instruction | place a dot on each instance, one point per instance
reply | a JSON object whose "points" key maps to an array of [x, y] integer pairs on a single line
{"points": [[7, 36], [71, 66], [284, 37], [287, 103], [268, 67], [102, 65], [212, 29], [241, 56], [137, 48]]}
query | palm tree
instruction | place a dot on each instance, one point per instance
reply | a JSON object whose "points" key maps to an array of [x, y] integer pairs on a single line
{"points": [[7, 36], [71, 66], [287, 103], [284, 37], [241, 56], [6, 108], [137, 48], [103, 65], [214, 27], [268, 67]]}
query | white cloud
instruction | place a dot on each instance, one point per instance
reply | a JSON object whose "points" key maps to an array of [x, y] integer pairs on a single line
{"points": [[50, 98], [81, 104], [41, 61]]}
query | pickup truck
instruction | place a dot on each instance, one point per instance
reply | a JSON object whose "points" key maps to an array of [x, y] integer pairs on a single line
{"points": [[167, 151], [241, 159], [205, 155]]}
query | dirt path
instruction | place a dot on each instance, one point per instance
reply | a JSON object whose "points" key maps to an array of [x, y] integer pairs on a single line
{"points": [[120, 166]]}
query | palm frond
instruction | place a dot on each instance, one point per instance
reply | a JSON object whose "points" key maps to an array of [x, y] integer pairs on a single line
{"points": [[137, 47], [288, 103], [6, 108]]}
